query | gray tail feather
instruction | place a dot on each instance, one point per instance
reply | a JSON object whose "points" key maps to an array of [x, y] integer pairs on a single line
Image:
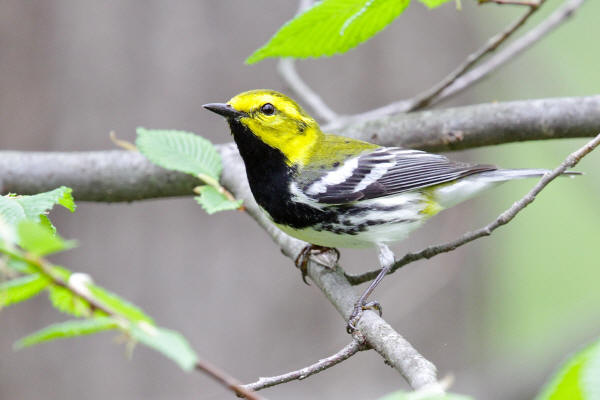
{"points": [[500, 175]]}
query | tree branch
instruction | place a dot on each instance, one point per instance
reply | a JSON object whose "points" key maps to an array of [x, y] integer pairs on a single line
{"points": [[426, 98], [463, 77], [512, 50], [484, 124], [226, 380], [114, 175], [487, 230], [127, 176], [287, 70], [530, 3], [348, 351]]}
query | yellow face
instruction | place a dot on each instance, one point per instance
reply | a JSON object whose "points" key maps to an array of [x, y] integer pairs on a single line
{"points": [[279, 122]]}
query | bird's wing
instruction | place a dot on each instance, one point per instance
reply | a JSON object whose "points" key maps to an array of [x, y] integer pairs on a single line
{"points": [[386, 171]]}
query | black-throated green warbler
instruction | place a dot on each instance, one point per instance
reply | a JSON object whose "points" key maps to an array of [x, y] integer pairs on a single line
{"points": [[332, 191]]}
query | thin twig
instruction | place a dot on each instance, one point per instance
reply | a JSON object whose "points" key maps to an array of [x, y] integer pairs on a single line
{"points": [[357, 344], [487, 230], [72, 285], [226, 380], [473, 75], [530, 3], [424, 99], [304, 5], [512, 50], [287, 70]]}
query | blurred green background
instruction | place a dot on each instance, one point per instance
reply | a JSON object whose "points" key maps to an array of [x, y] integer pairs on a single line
{"points": [[542, 273], [498, 314]]}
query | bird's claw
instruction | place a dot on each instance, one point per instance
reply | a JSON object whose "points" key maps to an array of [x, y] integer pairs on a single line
{"points": [[357, 311], [302, 262], [304, 256]]}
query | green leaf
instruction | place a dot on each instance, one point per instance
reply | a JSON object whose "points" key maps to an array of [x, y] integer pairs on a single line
{"points": [[40, 240], [21, 289], [330, 27], [64, 300], [180, 151], [14, 209], [41, 203], [578, 378], [67, 329], [61, 272], [45, 221], [119, 305], [213, 201], [400, 395], [170, 343], [20, 266], [433, 3], [8, 236], [11, 211]]}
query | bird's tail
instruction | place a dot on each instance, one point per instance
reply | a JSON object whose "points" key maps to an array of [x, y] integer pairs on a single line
{"points": [[501, 175], [448, 195]]}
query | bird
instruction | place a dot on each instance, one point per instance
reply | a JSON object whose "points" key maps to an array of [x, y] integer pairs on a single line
{"points": [[338, 192]]}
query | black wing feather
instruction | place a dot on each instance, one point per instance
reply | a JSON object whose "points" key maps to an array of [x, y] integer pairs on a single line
{"points": [[408, 170]]}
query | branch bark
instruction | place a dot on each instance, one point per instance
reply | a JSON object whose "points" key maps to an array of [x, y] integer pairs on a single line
{"points": [[110, 176], [484, 124]]}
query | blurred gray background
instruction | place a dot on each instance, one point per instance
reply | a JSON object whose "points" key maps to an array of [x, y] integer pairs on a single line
{"points": [[497, 315]]}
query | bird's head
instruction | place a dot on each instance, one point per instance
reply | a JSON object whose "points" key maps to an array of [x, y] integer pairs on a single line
{"points": [[275, 119]]}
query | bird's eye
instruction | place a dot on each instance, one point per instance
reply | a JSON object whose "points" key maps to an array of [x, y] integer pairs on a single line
{"points": [[267, 109]]}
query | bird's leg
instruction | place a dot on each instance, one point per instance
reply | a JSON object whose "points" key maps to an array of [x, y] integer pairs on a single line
{"points": [[309, 250], [386, 260]]}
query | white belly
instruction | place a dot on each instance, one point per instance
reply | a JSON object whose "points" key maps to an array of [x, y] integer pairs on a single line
{"points": [[391, 219], [385, 233]]}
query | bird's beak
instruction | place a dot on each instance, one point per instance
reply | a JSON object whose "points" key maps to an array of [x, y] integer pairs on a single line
{"points": [[225, 110]]}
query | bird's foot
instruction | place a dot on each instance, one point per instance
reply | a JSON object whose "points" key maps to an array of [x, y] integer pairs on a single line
{"points": [[308, 251], [357, 311]]}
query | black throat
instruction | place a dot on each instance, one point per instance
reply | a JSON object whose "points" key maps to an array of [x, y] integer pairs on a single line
{"points": [[269, 177]]}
